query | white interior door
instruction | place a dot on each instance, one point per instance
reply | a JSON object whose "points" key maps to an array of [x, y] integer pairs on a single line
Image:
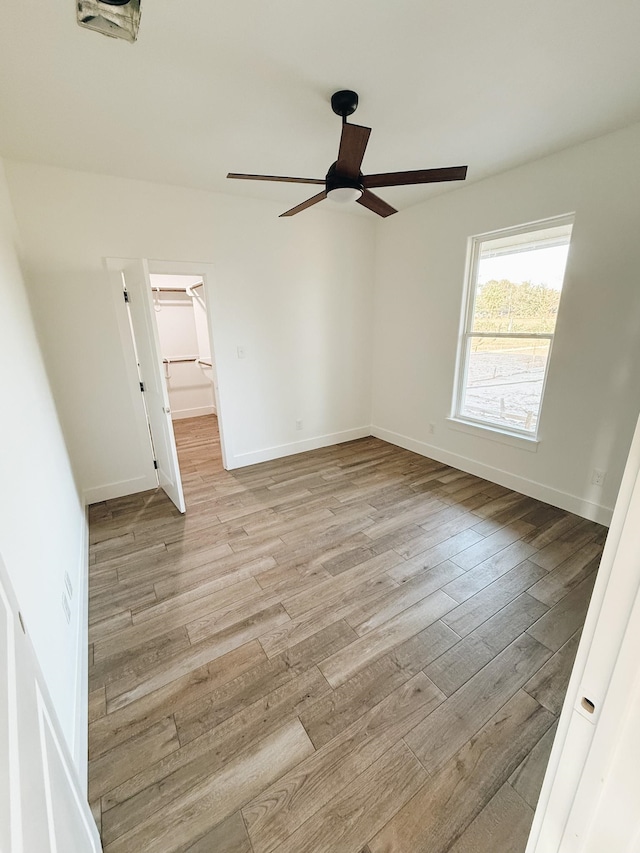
{"points": [[588, 801], [42, 808], [145, 330]]}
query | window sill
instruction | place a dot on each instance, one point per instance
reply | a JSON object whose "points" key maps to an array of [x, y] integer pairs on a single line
{"points": [[495, 434]]}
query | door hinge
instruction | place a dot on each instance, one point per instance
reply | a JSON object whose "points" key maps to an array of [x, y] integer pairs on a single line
{"points": [[142, 387], [125, 293], [155, 464]]}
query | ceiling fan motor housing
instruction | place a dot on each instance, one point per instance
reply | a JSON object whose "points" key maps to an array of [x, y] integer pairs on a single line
{"points": [[336, 181]]}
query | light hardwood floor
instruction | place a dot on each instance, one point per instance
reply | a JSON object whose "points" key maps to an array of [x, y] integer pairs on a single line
{"points": [[353, 650]]}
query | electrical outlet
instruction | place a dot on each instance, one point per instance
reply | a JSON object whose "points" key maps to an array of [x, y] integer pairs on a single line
{"points": [[598, 476], [241, 352], [432, 429], [299, 424]]}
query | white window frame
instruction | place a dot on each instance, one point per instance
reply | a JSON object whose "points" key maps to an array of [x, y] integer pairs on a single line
{"points": [[527, 439]]}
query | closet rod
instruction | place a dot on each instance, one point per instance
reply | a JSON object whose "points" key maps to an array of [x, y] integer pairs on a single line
{"points": [[169, 289], [181, 358], [199, 284]]}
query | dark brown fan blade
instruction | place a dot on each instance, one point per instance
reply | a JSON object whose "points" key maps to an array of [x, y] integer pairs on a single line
{"points": [[353, 144], [276, 178], [376, 204], [305, 204], [418, 176]]}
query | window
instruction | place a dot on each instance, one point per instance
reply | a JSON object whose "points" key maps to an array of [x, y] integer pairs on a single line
{"points": [[514, 286]]}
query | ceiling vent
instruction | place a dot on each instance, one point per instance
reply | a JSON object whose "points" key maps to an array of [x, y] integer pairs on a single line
{"points": [[115, 18]]}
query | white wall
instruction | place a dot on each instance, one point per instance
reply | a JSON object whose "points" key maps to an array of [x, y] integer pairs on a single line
{"points": [[42, 522], [593, 390], [296, 294]]}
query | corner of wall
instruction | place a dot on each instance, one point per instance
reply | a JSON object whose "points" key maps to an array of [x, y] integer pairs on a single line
{"points": [[531, 488]]}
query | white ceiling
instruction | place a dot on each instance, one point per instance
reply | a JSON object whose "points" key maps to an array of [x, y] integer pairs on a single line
{"points": [[212, 87]]}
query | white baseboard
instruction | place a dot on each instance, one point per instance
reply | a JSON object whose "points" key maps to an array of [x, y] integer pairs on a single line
{"points": [[564, 500], [81, 722], [531, 488], [179, 414], [118, 490], [241, 460]]}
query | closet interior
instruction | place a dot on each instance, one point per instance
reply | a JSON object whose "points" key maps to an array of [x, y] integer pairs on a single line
{"points": [[181, 315]]}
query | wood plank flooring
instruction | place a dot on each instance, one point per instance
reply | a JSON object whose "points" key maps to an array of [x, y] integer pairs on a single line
{"points": [[353, 650]]}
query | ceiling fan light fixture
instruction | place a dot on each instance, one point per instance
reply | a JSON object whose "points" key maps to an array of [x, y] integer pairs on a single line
{"points": [[343, 195]]}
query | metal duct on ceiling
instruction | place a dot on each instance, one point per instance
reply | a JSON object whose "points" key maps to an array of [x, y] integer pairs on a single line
{"points": [[113, 18]]}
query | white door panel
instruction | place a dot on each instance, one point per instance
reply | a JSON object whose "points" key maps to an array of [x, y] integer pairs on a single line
{"points": [[42, 808], [136, 276], [588, 801]]}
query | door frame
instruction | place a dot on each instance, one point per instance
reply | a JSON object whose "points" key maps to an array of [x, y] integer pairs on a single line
{"points": [[206, 271]]}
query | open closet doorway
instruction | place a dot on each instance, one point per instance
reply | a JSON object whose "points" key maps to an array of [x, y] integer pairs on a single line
{"points": [[179, 304], [180, 310], [166, 332]]}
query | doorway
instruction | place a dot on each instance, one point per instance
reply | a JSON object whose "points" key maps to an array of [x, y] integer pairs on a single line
{"points": [[180, 308], [179, 303], [166, 332]]}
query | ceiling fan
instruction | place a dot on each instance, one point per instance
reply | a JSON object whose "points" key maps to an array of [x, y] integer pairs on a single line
{"points": [[344, 180]]}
